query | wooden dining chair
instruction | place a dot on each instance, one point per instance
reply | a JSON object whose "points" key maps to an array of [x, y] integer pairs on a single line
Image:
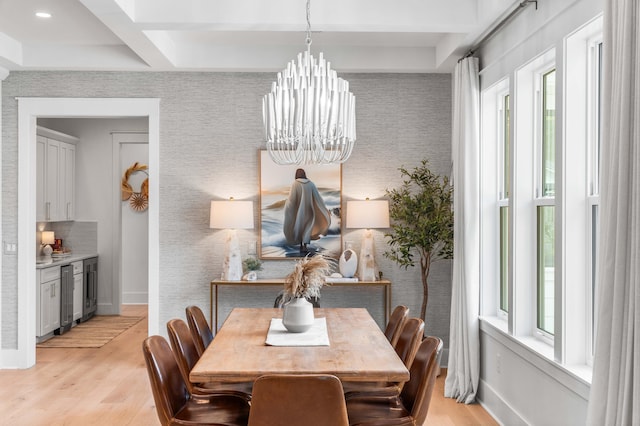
{"points": [[199, 327], [186, 354], [411, 406], [396, 321], [298, 400], [406, 347], [174, 404]]}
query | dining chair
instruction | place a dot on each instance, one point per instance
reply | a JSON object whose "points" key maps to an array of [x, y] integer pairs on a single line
{"points": [[186, 354], [411, 406], [174, 404], [298, 400], [396, 321], [199, 327], [406, 347]]}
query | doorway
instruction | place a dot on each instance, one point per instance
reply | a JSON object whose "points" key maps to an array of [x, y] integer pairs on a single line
{"points": [[29, 109]]}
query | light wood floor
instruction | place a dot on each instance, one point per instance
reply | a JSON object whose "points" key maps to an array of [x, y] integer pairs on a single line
{"points": [[110, 386]]}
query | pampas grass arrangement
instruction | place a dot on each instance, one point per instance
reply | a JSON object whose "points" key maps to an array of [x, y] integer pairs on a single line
{"points": [[308, 277]]}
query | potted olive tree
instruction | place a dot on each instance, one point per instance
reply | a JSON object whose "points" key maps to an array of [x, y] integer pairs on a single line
{"points": [[421, 222]]}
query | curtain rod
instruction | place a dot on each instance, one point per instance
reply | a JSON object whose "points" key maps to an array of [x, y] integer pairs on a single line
{"points": [[499, 26]]}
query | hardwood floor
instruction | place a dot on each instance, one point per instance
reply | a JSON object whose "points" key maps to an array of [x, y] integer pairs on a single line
{"points": [[110, 386]]}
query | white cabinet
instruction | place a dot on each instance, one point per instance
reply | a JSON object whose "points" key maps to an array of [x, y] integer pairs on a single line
{"points": [[55, 179], [48, 295]]}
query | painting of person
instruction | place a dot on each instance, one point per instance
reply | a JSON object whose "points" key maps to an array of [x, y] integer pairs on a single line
{"points": [[306, 217], [300, 209]]}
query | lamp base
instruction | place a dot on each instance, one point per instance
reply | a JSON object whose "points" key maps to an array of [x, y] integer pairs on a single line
{"points": [[47, 250], [232, 266], [367, 267]]}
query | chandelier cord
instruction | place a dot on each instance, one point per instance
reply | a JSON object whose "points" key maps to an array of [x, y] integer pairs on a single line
{"points": [[308, 39]]}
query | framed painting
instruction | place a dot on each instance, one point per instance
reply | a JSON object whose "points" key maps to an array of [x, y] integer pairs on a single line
{"points": [[300, 209]]}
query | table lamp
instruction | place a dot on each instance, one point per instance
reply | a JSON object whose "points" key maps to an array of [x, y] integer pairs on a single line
{"points": [[48, 238], [368, 214], [231, 215]]}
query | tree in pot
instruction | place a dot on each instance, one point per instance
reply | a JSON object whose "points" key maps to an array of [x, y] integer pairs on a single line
{"points": [[421, 222]]}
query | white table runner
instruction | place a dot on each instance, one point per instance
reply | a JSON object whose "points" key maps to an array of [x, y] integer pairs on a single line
{"points": [[315, 336]]}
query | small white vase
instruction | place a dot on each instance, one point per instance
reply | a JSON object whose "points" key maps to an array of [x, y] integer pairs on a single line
{"points": [[297, 316], [348, 263]]}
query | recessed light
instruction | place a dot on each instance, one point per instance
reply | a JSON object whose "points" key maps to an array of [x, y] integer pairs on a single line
{"points": [[43, 14]]}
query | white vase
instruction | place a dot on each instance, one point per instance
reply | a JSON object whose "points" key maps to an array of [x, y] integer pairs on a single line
{"points": [[297, 316], [348, 263]]}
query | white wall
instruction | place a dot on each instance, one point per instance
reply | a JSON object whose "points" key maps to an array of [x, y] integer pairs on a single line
{"points": [[517, 385], [134, 229], [96, 187]]}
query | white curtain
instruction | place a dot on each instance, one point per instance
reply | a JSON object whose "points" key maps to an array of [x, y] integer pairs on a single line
{"points": [[615, 389], [464, 345]]}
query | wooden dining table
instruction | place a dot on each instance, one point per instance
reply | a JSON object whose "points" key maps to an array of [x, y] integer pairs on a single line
{"points": [[358, 350]]}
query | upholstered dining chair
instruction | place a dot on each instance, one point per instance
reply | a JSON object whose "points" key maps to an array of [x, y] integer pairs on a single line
{"points": [[406, 347], [199, 327], [174, 404], [396, 321], [298, 400], [411, 406], [184, 350]]}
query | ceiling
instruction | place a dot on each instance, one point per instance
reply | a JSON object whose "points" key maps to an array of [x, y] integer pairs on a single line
{"points": [[241, 35]]}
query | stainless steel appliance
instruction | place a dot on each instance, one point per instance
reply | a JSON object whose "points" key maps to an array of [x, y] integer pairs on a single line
{"points": [[66, 298], [90, 288]]}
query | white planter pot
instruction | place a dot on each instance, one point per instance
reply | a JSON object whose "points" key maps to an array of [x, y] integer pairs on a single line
{"points": [[298, 315]]}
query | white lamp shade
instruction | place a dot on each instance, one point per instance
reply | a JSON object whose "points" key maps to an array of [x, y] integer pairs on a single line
{"points": [[368, 214], [48, 237], [231, 214]]}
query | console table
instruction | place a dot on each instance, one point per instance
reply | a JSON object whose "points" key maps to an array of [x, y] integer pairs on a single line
{"points": [[279, 282]]}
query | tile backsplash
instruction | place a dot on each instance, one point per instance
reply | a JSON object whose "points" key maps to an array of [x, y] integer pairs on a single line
{"points": [[79, 237]]}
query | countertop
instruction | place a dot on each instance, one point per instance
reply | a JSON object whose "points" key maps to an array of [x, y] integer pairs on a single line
{"points": [[47, 262]]}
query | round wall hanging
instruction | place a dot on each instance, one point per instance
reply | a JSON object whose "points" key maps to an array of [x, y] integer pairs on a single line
{"points": [[139, 201]]}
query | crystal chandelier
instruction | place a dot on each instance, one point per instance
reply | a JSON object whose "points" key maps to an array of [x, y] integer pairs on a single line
{"points": [[309, 115]]}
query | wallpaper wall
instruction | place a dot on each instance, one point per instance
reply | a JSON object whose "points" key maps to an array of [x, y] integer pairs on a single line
{"points": [[210, 135]]}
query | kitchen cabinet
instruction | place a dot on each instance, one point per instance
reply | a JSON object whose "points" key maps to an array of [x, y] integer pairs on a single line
{"points": [[48, 300], [55, 176]]}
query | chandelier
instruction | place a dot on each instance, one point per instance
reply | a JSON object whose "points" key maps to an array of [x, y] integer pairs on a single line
{"points": [[309, 115]]}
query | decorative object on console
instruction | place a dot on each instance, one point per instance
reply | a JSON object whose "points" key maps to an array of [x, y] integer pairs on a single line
{"points": [[139, 201], [48, 238], [251, 265], [368, 214], [231, 215], [422, 222], [303, 283], [348, 262], [309, 115]]}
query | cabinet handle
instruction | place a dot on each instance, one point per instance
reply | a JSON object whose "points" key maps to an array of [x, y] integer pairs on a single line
{"points": [[48, 204], [53, 290]]}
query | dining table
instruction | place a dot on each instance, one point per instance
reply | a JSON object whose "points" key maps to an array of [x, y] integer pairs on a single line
{"points": [[353, 348]]}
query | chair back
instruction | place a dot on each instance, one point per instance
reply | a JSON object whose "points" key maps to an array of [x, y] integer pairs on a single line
{"points": [[410, 338], [396, 321], [298, 400], [416, 393], [200, 330], [169, 390], [184, 349]]}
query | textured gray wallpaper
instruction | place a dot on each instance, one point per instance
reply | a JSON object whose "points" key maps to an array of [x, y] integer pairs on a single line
{"points": [[210, 134]]}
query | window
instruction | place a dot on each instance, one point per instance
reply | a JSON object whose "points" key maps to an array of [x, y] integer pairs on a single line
{"points": [[505, 127], [540, 168], [593, 196], [545, 206]]}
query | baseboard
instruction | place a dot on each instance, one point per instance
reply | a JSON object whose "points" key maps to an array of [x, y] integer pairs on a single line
{"points": [[12, 359], [135, 298], [496, 407]]}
